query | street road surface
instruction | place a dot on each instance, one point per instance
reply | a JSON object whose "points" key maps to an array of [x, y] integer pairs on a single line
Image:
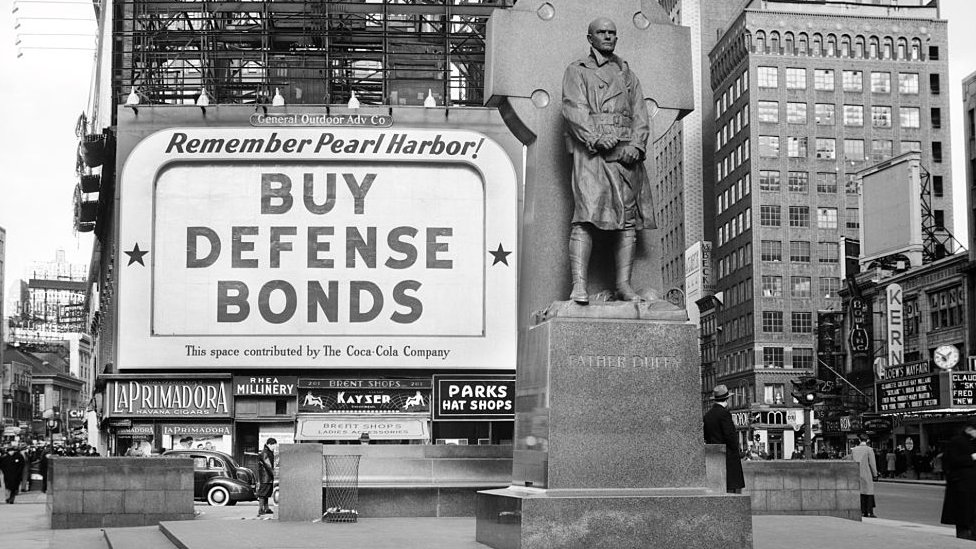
{"points": [[919, 503]]}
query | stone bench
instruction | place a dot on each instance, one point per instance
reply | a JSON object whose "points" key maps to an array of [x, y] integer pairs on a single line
{"points": [[101, 492], [396, 480]]}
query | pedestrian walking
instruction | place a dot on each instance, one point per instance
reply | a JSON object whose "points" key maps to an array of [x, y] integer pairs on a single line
{"points": [[266, 476], [890, 459], [45, 454], [863, 455], [719, 429], [959, 462], [12, 468]]}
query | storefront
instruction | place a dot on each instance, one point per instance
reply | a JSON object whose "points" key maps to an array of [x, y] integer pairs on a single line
{"points": [[264, 407], [146, 414], [387, 411], [474, 409]]}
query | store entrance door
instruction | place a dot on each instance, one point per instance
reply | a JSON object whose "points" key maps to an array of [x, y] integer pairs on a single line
{"points": [[246, 450], [776, 444]]}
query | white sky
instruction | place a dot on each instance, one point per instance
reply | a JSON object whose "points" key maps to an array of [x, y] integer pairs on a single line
{"points": [[43, 92]]}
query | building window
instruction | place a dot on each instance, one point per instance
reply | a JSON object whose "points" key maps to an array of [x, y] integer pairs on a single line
{"points": [[826, 148], [768, 111], [796, 147], [799, 216], [881, 149], [829, 252], [909, 117], [853, 115], [880, 82], [937, 151], [933, 53], [824, 112], [827, 218], [829, 287], [853, 81], [773, 393], [796, 79], [881, 116], [796, 113], [771, 250], [799, 182], [910, 146], [854, 149], [935, 114], [800, 286], [853, 218], [772, 356], [769, 216], [772, 322], [938, 216], [769, 146], [823, 79], [852, 185], [946, 308], [827, 182], [934, 86], [802, 323], [768, 180], [799, 251], [803, 358], [938, 187], [772, 286], [908, 83], [768, 77]]}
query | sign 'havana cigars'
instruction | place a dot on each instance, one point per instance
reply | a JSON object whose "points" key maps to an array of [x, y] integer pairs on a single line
{"points": [[168, 398], [312, 241]]}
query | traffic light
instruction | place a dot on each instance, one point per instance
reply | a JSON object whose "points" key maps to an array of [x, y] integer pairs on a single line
{"points": [[806, 390]]}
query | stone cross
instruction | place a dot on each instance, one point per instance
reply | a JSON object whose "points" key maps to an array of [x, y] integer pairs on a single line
{"points": [[529, 48]]}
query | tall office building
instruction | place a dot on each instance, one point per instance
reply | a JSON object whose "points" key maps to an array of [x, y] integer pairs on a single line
{"points": [[806, 94], [51, 301], [969, 132], [684, 172]]}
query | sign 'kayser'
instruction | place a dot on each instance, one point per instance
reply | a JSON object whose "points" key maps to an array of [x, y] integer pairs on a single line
{"points": [[316, 247]]}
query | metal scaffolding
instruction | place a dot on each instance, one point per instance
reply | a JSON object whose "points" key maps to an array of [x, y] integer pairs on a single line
{"points": [[390, 52]]}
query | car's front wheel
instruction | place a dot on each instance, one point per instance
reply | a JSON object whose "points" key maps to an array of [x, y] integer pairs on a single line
{"points": [[218, 496]]}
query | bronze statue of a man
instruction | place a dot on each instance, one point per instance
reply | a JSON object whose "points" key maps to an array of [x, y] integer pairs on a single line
{"points": [[608, 127]]}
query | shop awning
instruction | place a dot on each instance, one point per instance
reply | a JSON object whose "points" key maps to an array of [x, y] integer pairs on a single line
{"points": [[351, 427]]}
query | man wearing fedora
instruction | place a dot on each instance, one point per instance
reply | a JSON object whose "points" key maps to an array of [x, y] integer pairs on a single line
{"points": [[719, 429]]}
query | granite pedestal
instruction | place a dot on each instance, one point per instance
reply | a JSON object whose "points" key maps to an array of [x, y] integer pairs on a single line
{"points": [[609, 448]]}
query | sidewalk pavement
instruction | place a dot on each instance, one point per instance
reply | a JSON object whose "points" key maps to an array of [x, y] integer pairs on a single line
{"points": [[25, 526]]}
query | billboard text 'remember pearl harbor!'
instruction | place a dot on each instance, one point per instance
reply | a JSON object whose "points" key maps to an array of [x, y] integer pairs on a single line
{"points": [[316, 247]]}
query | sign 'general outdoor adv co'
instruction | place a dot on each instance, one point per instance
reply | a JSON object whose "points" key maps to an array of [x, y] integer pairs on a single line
{"points": [[289, 247]]}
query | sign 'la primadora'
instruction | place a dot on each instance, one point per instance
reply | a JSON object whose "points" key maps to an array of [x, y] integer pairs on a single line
{"points": [[292, 247]]}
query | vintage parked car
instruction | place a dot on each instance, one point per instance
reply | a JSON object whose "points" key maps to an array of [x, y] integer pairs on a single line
{"points": [[217, 478]]}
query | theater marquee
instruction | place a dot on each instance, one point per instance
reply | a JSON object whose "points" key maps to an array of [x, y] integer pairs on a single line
{"points": [[294, 247]]}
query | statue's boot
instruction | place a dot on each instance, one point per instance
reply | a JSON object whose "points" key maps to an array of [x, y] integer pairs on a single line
{"points": [[580, 246], [626, 245]]}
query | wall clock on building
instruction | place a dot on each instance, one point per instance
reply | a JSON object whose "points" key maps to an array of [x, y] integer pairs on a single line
{"points": [[946, 356]]}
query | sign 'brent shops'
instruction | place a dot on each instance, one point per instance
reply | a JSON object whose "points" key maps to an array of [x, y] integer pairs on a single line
{"points": [[312, 247], [168, 398]]}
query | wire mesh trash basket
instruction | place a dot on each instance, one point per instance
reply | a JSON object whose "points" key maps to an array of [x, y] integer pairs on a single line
{"points": [[341, 489]]}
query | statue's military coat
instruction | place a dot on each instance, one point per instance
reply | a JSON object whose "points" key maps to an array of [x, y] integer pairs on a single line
{"points": [[593, 94]]}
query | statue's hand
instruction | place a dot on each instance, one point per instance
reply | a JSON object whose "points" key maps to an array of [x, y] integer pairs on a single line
{"points": [[630, 154], [606, 143]]}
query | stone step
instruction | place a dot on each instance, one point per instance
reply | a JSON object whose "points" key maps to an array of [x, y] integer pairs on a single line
{"points": [[140, 537]]}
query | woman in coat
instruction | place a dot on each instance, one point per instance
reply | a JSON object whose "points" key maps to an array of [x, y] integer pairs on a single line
{"points": [[959, 462], [868, 471]]}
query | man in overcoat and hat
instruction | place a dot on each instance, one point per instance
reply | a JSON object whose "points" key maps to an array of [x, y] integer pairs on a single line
{"points": [[608, 127], [719, 429], [959, 505]]}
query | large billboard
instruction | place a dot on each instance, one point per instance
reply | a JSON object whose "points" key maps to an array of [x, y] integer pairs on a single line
{"points": [[891, 209], [314, 247]]}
